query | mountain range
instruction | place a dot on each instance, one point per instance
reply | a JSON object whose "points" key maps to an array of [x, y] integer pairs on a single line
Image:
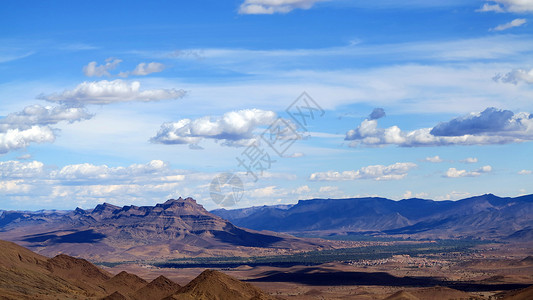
{"points": [[176, 228], [481, 217]]}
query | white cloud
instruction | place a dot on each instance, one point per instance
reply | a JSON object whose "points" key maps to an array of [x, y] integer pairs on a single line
{"points": [[409, 194], [90, 172], [13, 139], [42, 115], [469, 160], [88, 184], [491, 126], [18, 130], [274, 6], [454, 173], [433, 159], [304, 189], [14, 187], [264, 192], [328, 189], [377, 172], [24, 156], [515, 6], [525, 172], [95, 70], [15, 169], [106, 92], [515, 76], [454, 195], [232, 129], [144, 69], [513, 23]]}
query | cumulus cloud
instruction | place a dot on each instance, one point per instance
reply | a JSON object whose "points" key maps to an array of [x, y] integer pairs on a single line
{"points": [[377, 172], [491, 126], [14, 139], [95, 70], [31, 125], [515, 76], [232, 129], [144, 69], [257, 7], [454, 173], [433, 159], [106, 92], [513, 23], [525, 172], [500, 6]]}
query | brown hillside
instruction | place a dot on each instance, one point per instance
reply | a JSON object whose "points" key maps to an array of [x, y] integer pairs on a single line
{"points": [[402, 295], [215, 285], [116, 296], [158, 288], [124, 283], [24, 275], [525, 294]]}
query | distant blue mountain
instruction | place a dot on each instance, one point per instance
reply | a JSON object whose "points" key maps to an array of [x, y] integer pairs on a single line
{"points": [[481, 217]]}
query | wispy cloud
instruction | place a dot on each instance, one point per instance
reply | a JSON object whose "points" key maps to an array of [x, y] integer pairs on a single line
{"points": [[469, 160], [513, 23], [514, 6], [377, 172], [95, 70], [433, 159], [516, 76], [107, 92], [261, 7], [144, 69]]}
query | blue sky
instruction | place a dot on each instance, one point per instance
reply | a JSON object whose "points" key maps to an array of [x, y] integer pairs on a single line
{"points": [[137, 102]]}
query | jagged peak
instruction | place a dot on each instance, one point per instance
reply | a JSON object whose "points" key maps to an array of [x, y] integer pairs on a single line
{"points": [[79, 211], [105, 206]]}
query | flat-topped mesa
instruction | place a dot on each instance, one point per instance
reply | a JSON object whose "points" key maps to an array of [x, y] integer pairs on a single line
{"points": [[182, 206]]}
